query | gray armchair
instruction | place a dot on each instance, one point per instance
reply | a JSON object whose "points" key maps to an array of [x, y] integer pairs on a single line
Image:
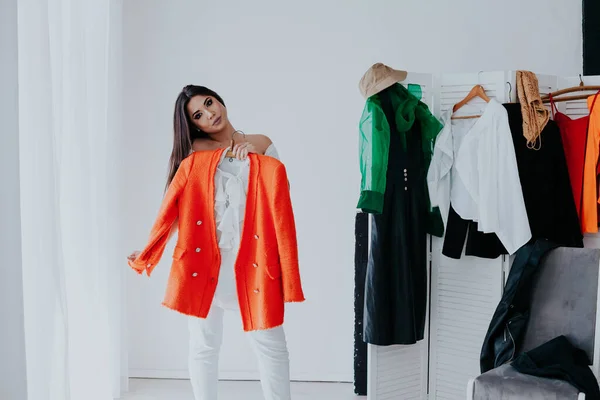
{"points": [[564, 302]]}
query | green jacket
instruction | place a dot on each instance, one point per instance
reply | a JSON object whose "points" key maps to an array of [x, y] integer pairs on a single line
{"points": [[374, 141]]}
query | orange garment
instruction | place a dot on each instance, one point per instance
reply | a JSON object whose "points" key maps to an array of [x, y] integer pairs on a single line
{"points": [[589, 209], [267, 273]]}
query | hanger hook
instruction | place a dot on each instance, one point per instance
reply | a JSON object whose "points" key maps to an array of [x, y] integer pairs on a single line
{"points": [[479, 77], [509, 91], [580, 80]]}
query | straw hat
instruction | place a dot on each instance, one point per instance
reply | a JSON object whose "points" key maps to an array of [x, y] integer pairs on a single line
{"points": [[378, 78]]}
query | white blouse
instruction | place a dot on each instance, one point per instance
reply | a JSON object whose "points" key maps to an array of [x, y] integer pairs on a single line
{"points": [[474, 167], [231, 187]]}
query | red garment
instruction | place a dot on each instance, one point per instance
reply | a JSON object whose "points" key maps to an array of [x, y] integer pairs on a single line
{"points": [[577, 145], [573, 133]]}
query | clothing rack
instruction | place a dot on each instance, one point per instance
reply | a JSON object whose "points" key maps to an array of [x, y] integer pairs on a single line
{"points": [[460, 309], [580, 88]]}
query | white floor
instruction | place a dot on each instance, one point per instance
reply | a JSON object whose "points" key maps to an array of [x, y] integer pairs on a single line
{"points": [[163, 389]]}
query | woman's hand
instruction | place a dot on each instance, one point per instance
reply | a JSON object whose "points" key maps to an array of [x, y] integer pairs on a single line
{"points": [[133, 256], [242, 150]]}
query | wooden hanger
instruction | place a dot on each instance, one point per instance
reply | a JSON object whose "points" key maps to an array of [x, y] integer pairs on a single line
{"points": [[477, 91], [579, 88], [230, 154]]}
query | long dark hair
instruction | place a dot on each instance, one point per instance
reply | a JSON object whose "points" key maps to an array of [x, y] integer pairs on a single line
{"points": [[184, 132]]}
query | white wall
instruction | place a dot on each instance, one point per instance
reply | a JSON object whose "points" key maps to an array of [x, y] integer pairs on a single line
{"points": [[13, 372], [290, 70]]}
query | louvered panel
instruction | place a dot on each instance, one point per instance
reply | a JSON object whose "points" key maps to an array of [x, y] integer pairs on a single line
{"points": [[426, 83], [464, 296], [454, 87], [400, 372], [465, 292], [454, 94], [547, 85], [575, 108]]}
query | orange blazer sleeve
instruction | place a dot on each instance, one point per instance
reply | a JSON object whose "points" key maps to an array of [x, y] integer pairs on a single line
{"points": [[167, 215], [285, 230], [589, 211]]}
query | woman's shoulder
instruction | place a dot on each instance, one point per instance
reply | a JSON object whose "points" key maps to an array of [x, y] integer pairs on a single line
{"points": [[260, 142]]}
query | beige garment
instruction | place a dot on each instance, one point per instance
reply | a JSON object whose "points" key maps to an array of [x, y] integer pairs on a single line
{"points": [[535, 115]]}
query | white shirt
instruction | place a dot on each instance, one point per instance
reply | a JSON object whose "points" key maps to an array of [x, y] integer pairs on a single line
{"points": [[474, 167], [231, 188]]}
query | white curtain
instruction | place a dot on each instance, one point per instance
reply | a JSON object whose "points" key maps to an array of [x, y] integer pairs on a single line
{"points": [[73, 264]]}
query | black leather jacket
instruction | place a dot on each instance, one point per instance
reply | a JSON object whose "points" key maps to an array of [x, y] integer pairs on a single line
{"points": [[510, 319]]}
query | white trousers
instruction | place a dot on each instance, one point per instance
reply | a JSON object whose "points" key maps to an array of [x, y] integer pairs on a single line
{"points": [[269, 346]]}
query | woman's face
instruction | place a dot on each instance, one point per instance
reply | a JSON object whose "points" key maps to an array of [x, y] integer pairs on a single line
{"points": [[207, 114]]}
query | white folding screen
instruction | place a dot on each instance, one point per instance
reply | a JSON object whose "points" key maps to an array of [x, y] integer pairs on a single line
{"points": [[400, 372], [463, 293]]}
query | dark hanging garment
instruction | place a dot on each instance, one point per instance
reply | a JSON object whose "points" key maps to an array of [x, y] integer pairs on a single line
{"points": [[479, 244], [509, 322], [361, 257], [546, 184], [396, 282]]}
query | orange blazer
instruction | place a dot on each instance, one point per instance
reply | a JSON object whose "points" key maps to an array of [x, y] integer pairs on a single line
{"points": [[266, 269], [589, 209]]}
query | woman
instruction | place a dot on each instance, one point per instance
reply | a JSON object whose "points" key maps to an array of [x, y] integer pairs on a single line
{"points": [[201, 123]]}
